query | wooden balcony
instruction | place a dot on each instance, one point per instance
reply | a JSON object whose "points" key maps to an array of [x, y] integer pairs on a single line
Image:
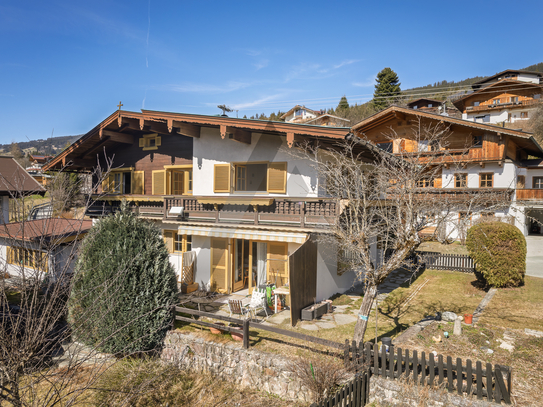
{"points": [[296, 212], [530, 195], [505, 105], [452, 156]]}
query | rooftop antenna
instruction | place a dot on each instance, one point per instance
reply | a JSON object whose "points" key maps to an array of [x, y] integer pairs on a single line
{"points": [[225, 109]]}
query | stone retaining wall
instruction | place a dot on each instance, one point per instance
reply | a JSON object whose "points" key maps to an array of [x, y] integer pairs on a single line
{"points": [[399, 393], [229, 361]]}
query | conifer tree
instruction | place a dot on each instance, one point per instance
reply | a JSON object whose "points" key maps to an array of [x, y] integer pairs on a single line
{"points": [[124, 286], [343, 104], [387, 89]]}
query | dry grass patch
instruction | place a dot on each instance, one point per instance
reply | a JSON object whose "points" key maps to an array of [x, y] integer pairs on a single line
{"points": [[453, 248]]}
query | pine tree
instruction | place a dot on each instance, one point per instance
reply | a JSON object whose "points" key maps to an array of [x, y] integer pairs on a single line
{"points": [[124, 286], [386, 89], [343, 104]]}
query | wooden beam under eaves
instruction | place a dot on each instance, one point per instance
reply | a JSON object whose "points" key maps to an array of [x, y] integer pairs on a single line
{"points": [[119, 137], [186, 129], [239, 135]]}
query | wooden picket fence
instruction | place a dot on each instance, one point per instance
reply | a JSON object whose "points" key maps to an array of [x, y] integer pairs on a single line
{"points": [[492, 383], [453, 262], [356, 393]]}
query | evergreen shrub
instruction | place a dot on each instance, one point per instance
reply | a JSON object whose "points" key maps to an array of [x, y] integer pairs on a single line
{"points": [[499, 251], [124, 286]]}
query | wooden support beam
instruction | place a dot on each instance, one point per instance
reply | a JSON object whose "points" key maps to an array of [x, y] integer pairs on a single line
{"points": [[290, 139], [222, 131], [90, 152], [399, 115], [240, 135], [482, 164], [119, 137], [186, 129], [78, 162]]}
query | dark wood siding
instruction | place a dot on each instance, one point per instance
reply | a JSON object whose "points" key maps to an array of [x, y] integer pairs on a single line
{"points": [[174, 150], [303, 278]]}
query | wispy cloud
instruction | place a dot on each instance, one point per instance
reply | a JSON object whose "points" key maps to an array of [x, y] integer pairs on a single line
{"points": [[207, 87], [370, 81], [255, 103], [347, 62], [261, 64]]}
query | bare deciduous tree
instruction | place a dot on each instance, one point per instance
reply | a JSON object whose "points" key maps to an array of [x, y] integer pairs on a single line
{"points": [[387, 201]]}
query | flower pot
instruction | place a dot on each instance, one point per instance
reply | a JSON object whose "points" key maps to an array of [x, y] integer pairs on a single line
{"points": [[314, 311], [216, 331], [468, 318]]}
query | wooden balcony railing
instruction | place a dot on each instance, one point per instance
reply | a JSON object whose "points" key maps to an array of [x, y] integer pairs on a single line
{"points": [[502, 105], [477, 154], [299, 212], [530, 195]]}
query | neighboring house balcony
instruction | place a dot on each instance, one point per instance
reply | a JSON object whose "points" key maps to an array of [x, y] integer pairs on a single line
{"points": [[495, 106], [311, 213], [453, 156], [530, 195]]}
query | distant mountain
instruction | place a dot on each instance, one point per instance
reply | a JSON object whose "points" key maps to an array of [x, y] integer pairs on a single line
{"points": [[50, 146]]}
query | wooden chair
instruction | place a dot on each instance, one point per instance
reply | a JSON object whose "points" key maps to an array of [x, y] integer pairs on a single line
{"points": [[236, 308]]}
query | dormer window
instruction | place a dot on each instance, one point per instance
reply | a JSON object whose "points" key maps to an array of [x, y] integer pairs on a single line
{"points": [[299, 112], [513, 99], [496, 101], [150, 141]]}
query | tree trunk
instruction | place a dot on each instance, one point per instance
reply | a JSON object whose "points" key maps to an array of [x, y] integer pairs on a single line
{"points": [[364, 312]]}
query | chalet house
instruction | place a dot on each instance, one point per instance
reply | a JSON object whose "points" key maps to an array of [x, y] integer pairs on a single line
{"points": [[300, 114], [434, 106], [15, 182], [226, 190], [507, 97], [329, 120], [35, 168], [41, 247], [477, 157]]}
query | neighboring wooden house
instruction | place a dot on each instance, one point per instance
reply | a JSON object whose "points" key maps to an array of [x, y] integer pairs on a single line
{"points": [[15, 182], [300, 114], [508, 97], [329, 120], [35, 169], [478, 156], [227, 189], [41, 246]]}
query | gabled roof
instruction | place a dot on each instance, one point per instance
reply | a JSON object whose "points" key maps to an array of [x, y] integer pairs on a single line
{"points": [[523, 139], [496, 87], [507, 71], [15, 180], [46, 229], [124, 126], [327, 115], [414, 102], [299, 107]]}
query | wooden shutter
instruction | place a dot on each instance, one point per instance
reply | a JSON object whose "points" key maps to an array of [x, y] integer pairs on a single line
{"points": [[106, 184], [222, 178], [9, 255], [138, 180], [521, 182], [142, 142], [277, 177], [159, 182], [277, 266], [437, 182], [219, 265], [168, 239]]}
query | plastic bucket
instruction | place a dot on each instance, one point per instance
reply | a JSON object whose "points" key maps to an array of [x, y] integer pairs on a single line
{"points": [[387, 342], [468, 318]]}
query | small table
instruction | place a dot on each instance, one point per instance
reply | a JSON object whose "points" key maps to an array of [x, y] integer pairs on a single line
{"points": [[280, 291]]}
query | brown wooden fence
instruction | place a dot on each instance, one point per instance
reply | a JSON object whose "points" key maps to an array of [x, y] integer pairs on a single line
{"points": [[492, 383], [453, 262], [356, 393]]}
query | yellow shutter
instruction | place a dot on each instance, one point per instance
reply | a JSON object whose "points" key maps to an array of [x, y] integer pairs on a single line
{"points": [[437, 182], [158, 141], [168, 239], [106, 184], [219, 265], [138, 182], [222, 178], [277, 266], [9, 255], [142, 142], [277, 177], [159, 182]]}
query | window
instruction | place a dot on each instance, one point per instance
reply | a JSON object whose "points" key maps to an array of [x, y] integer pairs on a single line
{"points": [[124, 181], [415, 107], [430, 105], [434, 145], [537, 182], [496, 101], [150, 141], [477, 141], [385, 146], [173, 180], [485, 180], [521, 181], [476, 103], [34, 259], [251, 177], [537, 96], [299, 112], [461, 180], [513, 99], [523, 115], [177, 242], [425, 182], [483, 119]]}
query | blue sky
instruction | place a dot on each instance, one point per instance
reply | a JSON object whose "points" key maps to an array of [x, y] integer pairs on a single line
{"points": [[65, 65]]}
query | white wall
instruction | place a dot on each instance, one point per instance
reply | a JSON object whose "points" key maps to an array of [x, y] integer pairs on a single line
{"points": [[211, 149], [504, 176], [524, 77], [328, 281], [305, 116]]}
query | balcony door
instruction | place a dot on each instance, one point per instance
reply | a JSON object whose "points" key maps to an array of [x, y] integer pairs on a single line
{"points": [[242, 254]]}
